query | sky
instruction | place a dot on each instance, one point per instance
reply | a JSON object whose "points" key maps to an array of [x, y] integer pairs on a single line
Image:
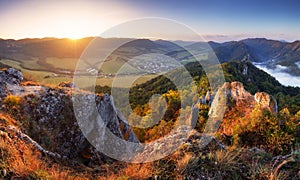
{"points": [[218, 20]]}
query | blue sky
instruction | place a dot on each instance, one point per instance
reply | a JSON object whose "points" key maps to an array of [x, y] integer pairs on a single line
{"points": [[219, 20]]}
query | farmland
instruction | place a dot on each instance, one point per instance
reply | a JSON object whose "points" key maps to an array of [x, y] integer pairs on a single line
{"points": [[47, 77]]}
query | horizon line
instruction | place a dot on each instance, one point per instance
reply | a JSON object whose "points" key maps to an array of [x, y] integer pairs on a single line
{"points": [[154, 39]]}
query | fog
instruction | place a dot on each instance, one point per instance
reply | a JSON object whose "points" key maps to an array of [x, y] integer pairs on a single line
{"points": [[298, 64], [283, 77]]}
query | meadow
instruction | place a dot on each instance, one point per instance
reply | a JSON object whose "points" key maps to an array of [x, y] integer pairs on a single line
{"points": [[34, 71]]}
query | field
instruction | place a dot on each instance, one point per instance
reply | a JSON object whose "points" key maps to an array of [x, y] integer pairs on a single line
{"points": [[69, 64], [62, 63]]}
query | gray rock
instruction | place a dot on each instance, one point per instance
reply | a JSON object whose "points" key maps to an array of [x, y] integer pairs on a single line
{"points": [[10, 77], [15, 75]]}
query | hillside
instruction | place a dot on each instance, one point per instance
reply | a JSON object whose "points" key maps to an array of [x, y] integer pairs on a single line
{"points": [[262, 51], [254, 80], [39, 123], [52, 60], [258, 49]]}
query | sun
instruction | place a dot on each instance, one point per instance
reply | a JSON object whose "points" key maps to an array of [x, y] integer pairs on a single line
{"points": [[74, 36]]}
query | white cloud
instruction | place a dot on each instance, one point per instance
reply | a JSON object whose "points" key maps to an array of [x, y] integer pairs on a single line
{"points": [[283, 77]]}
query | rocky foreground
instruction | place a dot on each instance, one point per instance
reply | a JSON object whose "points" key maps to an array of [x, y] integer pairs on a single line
{"points": [[38, 124]]}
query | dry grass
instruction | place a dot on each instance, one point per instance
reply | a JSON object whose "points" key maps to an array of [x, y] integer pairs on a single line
{"points": [[222, 157], [132, 171], [6, 120], [30, 83], [12, 100], [20, 158], [183, 162]]}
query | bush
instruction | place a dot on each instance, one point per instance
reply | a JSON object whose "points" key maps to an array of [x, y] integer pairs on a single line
{"points": [[12, 101], [275, 133]]}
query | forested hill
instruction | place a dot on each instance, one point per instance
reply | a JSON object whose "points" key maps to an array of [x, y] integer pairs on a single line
{"points": [[253, 79]]}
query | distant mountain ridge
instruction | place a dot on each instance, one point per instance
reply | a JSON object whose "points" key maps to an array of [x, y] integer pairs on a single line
{"points": [[259, 50]]}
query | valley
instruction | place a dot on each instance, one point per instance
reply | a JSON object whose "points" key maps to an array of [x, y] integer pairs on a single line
{"points": [[189, 132], [50, 64]]}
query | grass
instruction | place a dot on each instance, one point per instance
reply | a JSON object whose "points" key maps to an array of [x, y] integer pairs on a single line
{"points": [[113, 65], [21, 160], [24, 64], [62, 63], [28, 74], [31, 64], [38, 76]]}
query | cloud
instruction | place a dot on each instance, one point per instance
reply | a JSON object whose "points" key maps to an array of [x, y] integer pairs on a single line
{"points": [[225, 38], [283, 77], [236, 37], [298, 64]]}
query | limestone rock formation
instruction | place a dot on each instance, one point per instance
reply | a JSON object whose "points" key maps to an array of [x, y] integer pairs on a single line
{"points": [[53, 124], [265, 100], [240, 104], [236, 92]]}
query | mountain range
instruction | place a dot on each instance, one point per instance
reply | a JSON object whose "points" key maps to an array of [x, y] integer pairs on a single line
{"points": [[271, 53]]}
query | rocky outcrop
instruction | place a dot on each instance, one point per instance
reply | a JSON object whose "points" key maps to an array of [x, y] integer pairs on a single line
{"points": [[9, 77], [265, 100], [238, 91], [53, 113], [53, 127], [244, 64], [240, 104], [114, 119], [208, 97], [236, 94]]}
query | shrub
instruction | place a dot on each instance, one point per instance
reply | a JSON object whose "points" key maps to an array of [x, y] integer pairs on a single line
{"points": [[12, 101], [267, 130]]}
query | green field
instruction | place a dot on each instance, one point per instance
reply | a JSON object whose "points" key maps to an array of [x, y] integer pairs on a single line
{"points": [[62, 63], [39, 76]]}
